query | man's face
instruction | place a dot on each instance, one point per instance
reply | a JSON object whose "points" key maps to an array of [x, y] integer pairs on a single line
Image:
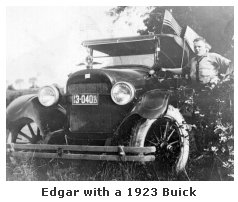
{"points": [[200, 48]]}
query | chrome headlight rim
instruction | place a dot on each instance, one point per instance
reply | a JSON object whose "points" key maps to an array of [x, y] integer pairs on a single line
{"points": [[56, 95], [132, 90]]}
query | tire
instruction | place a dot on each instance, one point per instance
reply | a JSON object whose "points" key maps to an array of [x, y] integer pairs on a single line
{"points": [[25, 131], [169, 134]]}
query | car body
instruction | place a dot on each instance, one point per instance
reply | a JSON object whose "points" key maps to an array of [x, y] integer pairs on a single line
{"points": [[121, 111]]}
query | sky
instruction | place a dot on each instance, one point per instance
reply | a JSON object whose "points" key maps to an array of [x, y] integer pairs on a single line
{"points": [[45, 42]]}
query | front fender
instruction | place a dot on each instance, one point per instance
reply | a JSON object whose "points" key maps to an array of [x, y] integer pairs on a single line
{"points": [[28, 106], [20, 107], [152, 104]]}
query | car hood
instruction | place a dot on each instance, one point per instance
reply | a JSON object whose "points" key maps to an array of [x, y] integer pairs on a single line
{"points": [[133, 74]]}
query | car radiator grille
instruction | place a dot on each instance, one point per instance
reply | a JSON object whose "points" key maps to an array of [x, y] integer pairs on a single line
{"points": [[100, 88], [92, 118]]}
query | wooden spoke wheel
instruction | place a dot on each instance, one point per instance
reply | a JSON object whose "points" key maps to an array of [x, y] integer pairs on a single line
{"points": [[168, 139], [25, 132]]}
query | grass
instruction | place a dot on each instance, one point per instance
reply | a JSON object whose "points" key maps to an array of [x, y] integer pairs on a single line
{"points": [[81, 170], [202, 168]]}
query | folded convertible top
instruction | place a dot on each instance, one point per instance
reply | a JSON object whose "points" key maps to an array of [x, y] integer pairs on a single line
{"points": [[172, 47]]}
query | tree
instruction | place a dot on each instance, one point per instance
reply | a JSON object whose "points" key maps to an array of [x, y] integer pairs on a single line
{"points": [[213, 23], [10, 87], [32, 82], [19, 83]]}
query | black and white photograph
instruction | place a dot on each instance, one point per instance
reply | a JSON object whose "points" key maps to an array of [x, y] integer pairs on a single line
{"points": [[120, 94], [90, 101]]}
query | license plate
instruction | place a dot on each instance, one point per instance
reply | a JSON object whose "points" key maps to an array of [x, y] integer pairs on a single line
{"points": [[85, 99]]}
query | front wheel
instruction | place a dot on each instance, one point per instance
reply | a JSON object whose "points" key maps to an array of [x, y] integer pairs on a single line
{"points": [[169, 135], [25, 131]]}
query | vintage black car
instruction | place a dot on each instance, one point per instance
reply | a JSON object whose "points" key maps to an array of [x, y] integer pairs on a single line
{"points": [[117, 108]]}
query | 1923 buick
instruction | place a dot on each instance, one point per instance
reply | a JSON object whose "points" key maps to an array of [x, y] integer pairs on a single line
{"points": [[122, 111]]}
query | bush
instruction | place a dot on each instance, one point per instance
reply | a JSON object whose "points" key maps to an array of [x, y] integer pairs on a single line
{"points": [[212, 116]]}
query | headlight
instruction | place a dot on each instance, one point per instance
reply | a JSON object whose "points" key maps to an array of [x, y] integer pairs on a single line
{"points": [[48, 95], [122, 93]]}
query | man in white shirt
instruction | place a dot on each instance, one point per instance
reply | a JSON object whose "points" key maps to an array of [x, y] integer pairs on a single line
{"points": [[205, 67]]}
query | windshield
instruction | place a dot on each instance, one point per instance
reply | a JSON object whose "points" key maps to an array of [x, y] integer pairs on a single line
{"points": [[105, 60], [173, 52]]}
